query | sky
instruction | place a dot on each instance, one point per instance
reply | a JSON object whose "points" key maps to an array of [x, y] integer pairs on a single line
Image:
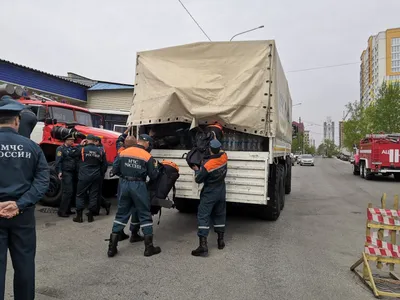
{"points": [[99, 39]]}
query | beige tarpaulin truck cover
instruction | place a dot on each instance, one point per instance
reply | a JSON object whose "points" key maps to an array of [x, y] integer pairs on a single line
{"points": [[239, 84]]}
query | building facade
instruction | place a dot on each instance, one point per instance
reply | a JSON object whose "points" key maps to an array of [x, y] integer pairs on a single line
{"points": [[47, 85], [341, 136], [307, 138], [329, 130], [379, 62], [298, 126], [109, 102]]}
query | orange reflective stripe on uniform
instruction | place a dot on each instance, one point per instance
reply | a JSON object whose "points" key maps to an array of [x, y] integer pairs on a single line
{"points": [[83, 154], [135, 152], [216, 125], [121, 149], [216, 163], [171, 164]]}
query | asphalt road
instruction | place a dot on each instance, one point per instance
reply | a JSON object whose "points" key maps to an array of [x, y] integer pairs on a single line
{"points": [[306, 254]]}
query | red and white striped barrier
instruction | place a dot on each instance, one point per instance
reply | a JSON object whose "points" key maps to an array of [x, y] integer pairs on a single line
{"points": [[381, 252], [381, 244], [382, 220], [384, 212]]}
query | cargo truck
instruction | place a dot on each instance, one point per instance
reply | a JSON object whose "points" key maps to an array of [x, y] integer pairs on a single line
{"points": [[240, 85]]}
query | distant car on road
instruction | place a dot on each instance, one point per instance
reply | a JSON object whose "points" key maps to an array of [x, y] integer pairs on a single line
{"points": [[307, 160]]}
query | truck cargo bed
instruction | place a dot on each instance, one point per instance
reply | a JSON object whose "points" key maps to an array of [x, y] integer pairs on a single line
{"points": [[246, 180]]}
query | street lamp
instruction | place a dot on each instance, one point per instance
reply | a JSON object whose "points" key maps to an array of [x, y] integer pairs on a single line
{"points": [[259, 27]]}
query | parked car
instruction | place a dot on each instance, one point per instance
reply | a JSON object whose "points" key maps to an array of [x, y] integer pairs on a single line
{"points": [[307, 160], [298, 159]]}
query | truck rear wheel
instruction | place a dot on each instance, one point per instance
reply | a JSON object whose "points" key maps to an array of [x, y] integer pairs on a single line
{"points": [[356, 169], [54, 193], [288, 181], [368, 174], [396, 176], [362, 170], [282, 187], [272, 210], [184, 205]]}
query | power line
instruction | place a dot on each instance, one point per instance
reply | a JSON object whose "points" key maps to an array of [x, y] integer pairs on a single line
{"points": [[328, 67], [198, 25]]}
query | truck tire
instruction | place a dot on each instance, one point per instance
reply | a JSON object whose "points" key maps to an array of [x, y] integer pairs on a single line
{"points": [[272, 210], [54, 193], [362, 170], [184, 205], [356, 170], [368, 174], [288, 181], [282, 186], [396, 176]]}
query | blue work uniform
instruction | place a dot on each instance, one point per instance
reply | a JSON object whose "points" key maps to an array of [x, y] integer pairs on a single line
{"points": [[25, 180], [133, 165], [92, 166], [134, 226], [102, 202], [120, 147], [213, 195], [66, 165]]}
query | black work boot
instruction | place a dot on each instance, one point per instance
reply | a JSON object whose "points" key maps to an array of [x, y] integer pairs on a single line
{"points": [[78, 218], [220, 240], [107, 208], [112, 245], [136, 237], [202, 250], [123, 236], [149, 247], [90, 218]]}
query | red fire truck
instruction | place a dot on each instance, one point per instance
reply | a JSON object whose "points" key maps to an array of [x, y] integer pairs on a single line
{"points": [[378, 154], [54, 115]]}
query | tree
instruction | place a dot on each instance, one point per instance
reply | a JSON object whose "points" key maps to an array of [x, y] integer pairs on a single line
{"points": [[382, 115], [297, 143], [309, 149], [327, 148], [321, 149], [356, 127]]}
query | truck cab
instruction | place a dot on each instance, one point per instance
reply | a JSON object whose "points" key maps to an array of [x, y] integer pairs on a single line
{"points": [[51, 114]]}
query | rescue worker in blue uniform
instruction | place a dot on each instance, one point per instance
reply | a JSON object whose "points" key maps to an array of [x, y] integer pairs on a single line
{"points": [[92, 165], [66, 170], [133, 165], [102, 202], [212, 205], [124, 141], [24, 182]]}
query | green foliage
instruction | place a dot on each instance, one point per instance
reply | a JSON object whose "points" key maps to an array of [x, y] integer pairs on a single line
{"points": [[328, 148], [309, 149], [297, 143], [383, 115]]}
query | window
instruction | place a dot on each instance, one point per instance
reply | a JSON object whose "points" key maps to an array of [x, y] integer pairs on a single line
{"points": [[396, 55], [83, 118], [63, 115], [40, 112]]}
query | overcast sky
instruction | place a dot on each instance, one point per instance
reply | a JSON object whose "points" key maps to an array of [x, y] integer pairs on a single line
{"points": [[99, 39]]}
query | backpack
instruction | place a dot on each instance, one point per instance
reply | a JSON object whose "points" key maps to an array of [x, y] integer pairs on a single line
{"points": [[161, 187], [201, 144]]}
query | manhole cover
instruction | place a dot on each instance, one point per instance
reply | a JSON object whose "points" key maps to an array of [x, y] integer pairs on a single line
{"points": [[48, 210]]}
